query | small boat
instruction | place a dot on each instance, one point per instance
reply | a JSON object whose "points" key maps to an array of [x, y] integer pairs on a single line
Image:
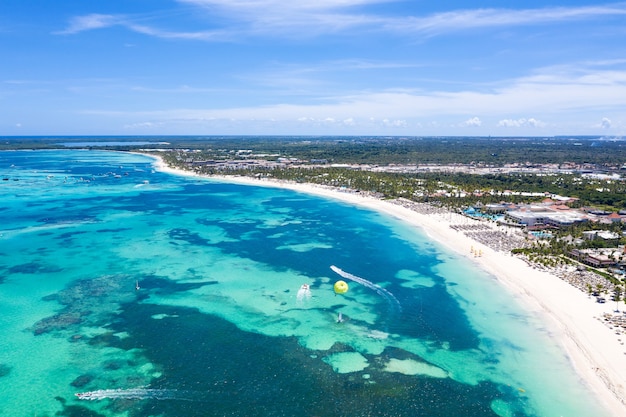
{"points": [[137, 287], [340, 318]]}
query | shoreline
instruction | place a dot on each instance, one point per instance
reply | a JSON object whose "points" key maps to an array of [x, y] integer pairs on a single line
{"points": [[596, 352]]}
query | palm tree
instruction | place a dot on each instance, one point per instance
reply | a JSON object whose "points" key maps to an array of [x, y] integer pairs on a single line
{"points": [[617, 295], [599, 289]]}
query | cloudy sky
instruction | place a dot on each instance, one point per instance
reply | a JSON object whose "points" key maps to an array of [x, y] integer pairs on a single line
{"points": [[312, 67]]}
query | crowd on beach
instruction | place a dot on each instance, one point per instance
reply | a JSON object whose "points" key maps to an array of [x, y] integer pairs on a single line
{"points": [[493, 235], [616, 322]]}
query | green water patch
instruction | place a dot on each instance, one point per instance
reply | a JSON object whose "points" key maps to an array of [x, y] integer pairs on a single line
{"points": [[4, 370], [304, 247], [412, 367], [413, 279], [347, 362]]}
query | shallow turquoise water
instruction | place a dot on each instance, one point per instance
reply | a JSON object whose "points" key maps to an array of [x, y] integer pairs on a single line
{"points": [[220, 325]]}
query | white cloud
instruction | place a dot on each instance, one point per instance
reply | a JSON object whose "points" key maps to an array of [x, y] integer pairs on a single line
{"points": [[277, 5], [91, 22], [310, 18], [325, 121], [535, 123], [142, 125], [101, 21], [605, 123], [332, 12], [510, 123], [482, 18], [572, 97], [473, 122], [521, 123], [208, 35], [394, 123]]}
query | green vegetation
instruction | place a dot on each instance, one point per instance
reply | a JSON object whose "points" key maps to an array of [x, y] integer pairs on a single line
{"points": [[453, 189], [479, 151]]}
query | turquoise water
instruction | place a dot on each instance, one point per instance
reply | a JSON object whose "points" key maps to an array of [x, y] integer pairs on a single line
{"points": [[220, 324]]}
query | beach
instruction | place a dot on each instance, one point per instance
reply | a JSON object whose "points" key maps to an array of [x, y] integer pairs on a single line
{"points": [[597, 352]]}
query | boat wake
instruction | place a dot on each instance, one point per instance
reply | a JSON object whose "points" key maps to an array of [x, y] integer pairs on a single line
{"points": [[137, 394], [391, 299]]}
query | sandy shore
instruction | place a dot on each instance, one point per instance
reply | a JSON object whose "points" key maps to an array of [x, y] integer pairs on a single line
{"points": [[598, 354]]}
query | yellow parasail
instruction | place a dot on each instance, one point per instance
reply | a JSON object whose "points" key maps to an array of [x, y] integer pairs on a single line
{"points": [[340, 287]]}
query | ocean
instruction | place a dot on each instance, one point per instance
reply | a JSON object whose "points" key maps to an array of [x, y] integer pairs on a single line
{"points": [[125, 291]]}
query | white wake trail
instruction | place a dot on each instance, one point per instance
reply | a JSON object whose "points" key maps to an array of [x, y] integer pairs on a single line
{"points": [[136, 394], [393, 301]]}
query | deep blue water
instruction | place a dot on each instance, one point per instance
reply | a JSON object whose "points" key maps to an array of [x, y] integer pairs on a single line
{"points": [[220, 326]]}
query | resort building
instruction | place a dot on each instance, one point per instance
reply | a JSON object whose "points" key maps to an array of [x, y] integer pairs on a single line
{"points": [[599, 258], [600, 234], [542, 217]]}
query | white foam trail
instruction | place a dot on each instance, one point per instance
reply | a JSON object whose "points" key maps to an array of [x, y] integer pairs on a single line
{"points": [[135, 394], [393, 301]]}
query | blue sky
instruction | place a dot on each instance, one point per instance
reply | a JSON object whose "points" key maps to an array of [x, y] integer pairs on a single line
{"points": [[322, 67]]}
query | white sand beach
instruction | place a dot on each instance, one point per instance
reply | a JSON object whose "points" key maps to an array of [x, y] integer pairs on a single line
{"points": [[598, 354]]}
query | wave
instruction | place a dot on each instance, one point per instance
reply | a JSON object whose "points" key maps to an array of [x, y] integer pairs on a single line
{"points": [[391, 299], [137, 394]]}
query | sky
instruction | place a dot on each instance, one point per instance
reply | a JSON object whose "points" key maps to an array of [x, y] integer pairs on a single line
{"points": [[312, 67]]}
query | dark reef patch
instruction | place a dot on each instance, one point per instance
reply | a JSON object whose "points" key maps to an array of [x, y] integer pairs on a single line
{"points": [[82, 380], [116, 230], [77, 411], [68, 236], [242, 373], [33, 268], [4, 370], [87, 301], [187, 236], [94, 302], [161, 286], [58, 322]]}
